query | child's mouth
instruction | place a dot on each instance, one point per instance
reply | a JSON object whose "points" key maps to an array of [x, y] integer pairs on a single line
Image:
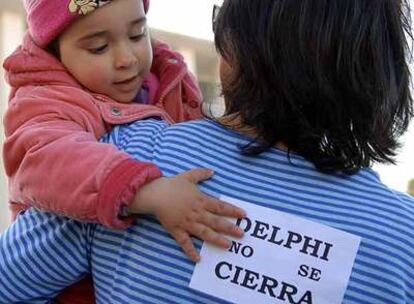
{"points": [[127, 84]]}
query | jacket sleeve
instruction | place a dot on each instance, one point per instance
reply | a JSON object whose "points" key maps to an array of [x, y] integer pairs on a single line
{"points": [[55, 162]]}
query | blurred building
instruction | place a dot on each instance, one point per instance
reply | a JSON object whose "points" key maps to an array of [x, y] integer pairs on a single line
{"points": [[410, 187], [197, 49]]}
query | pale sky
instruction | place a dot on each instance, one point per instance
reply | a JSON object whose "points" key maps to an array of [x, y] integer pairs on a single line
{"points": [[397, 177], [195, 20]]}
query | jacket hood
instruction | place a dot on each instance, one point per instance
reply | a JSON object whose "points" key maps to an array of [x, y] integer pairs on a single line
{"points": [[32, 65]]}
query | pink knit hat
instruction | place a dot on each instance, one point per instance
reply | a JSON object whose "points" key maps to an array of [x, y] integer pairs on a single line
{"points": [[48, 18]]}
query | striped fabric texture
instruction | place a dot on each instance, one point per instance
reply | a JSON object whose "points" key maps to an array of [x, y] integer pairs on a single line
{"points": [[41, 252]]}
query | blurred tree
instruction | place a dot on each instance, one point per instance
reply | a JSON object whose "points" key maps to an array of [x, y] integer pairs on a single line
{"points": [[410, 189]]}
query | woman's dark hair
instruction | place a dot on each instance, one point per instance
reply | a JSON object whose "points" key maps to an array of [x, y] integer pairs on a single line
{"points": [[328, 78]]}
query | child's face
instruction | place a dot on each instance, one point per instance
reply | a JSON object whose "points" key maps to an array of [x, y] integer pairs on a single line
{"points": [[109, 51]]}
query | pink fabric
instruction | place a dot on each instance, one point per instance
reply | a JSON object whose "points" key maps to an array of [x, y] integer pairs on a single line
{"points": [[152, 84], [46, 19], [175, 83]]}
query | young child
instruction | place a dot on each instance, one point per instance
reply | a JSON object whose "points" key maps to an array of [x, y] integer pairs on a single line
{"points": [[83, 67]]}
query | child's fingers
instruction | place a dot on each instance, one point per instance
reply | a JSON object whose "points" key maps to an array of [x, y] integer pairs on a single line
{"points": [[222, 208], [197, 175], [207, 234], [184, 240], [221, 225]]}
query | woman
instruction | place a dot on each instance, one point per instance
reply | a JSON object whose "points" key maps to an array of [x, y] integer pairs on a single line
{"points": [[315, 92]]}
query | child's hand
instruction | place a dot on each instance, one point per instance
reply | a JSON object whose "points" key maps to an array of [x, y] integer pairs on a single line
{"points": [[183, 210]]}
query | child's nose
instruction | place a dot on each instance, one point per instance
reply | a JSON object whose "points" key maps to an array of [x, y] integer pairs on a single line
{"points": [[125, 57]]}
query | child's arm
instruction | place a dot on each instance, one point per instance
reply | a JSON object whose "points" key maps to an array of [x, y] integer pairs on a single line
{"points": [[183, 210], [176, 201], [55, 162]]}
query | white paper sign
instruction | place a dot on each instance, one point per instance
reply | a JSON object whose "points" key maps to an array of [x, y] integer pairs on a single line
{"points": [[282, 258]]}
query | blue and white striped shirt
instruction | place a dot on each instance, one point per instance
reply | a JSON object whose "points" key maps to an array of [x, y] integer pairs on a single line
{"points": [[41, 253]]}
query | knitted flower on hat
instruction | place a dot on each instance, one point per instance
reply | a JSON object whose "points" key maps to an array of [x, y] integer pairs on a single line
{"points": [[85, 7]]}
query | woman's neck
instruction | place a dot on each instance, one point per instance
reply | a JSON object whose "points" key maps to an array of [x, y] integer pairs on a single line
{"points": [[234, 122]]}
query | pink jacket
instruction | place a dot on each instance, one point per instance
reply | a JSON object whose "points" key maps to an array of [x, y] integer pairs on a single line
{"points": [[51, 153]]}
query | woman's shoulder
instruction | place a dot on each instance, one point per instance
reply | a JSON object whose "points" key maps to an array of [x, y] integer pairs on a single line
{"points": [[404, 200], [158, 131], [203, 127], [203, 132]]}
